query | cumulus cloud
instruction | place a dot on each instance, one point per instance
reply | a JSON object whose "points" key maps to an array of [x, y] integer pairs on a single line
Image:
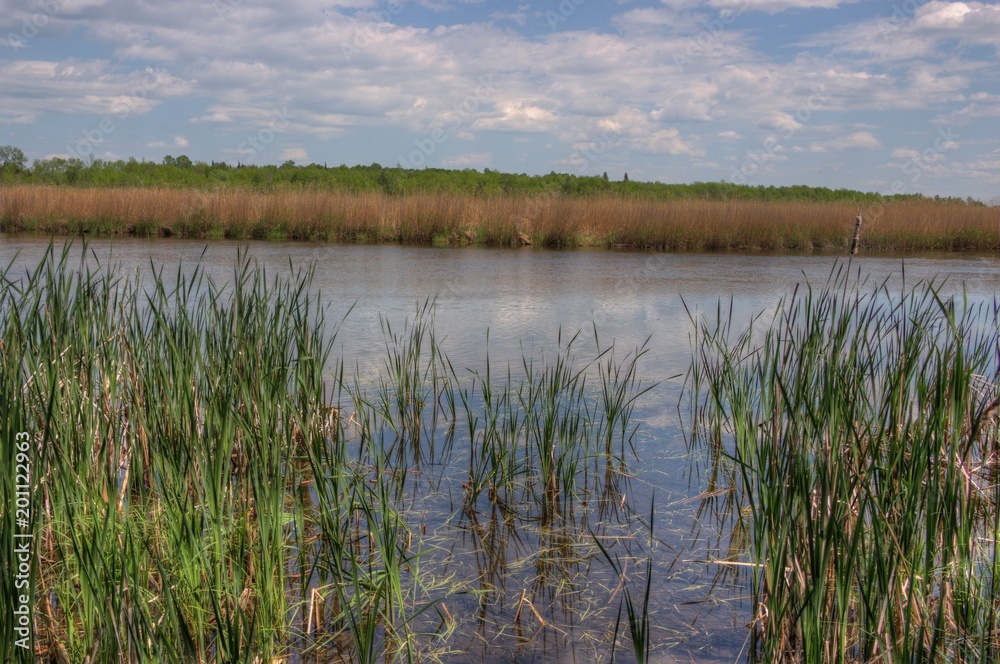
{"points": [[670, 141], [87, 91], [34, 87], [775, 6], [295, 154], [975, 107], [859, 140], [696, 103], [780, 122], [553, 82], [983, 167], [520, 17], [921, 32], [469, 160], [668, 84], [518, 115], [178, 142]]}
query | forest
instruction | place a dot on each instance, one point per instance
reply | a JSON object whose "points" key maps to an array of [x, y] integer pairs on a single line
{"points": [[182, 172]]}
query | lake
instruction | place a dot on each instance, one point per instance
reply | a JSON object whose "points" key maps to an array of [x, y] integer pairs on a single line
{"points": [[551, 596]]}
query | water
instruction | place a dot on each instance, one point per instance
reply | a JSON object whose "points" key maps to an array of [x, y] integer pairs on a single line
{"points": [[522, 298], [518, 302]]}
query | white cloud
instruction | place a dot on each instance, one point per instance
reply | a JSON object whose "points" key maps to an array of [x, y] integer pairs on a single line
{"points": [[641, 132], [982, 106], [178, 142], [520, 17], [469, 160], [942, 15], [653, 84], [669, 141], [650, 20], [295, 154], [983, 167], [418, 78], [779, 121], [924, 33], [36, 87], [12, 119], [695, 103], [775, 6], [518, 115], [859, 140]]}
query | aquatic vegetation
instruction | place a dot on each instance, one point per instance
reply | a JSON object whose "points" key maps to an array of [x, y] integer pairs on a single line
{"points": [[637, 615], [855, 438], [211, 484]]}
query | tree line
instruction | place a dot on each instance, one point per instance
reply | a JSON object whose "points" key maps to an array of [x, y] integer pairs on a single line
{"points": [[183, 172]]}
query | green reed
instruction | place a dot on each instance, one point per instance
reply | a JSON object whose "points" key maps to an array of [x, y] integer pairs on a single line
{"points": [[534, 435], [211, 484], [637, 615], [416, 375], [857, 437]]}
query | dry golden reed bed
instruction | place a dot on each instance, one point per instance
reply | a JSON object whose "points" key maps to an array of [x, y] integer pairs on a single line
{"points": [[564, 221]]}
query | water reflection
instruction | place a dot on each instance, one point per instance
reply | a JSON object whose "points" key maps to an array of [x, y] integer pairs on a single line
{"points": [[524, 297]]}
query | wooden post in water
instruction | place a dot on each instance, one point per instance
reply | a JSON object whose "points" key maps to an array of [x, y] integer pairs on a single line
{"points": [[857, 233]]}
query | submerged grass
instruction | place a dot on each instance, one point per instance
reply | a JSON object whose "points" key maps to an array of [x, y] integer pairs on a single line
{"points": [[513, 220], [210, 484], [856, 436], [637, 614]]}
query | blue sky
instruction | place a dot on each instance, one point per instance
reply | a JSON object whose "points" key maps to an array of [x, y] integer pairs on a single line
{"points": [[896, 96]]}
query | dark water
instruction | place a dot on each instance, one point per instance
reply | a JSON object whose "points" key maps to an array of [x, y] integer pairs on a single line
{"points": [[521, 300]]}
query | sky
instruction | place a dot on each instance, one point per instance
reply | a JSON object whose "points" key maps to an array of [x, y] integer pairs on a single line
{"points": [[898, 96]]}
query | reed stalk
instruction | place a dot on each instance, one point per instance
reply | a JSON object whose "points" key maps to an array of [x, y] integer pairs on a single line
{"points": [[863, 466], [609, 221], [211, 484]]}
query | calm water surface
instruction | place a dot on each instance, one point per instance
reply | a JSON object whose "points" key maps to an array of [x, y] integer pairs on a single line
{"points": [[523, 298], [520, 300]]}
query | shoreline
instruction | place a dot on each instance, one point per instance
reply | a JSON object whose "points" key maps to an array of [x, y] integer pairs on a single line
{"points": [[938, 254]]}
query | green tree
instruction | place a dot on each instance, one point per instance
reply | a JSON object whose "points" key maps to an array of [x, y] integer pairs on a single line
{"points": [[12, 159]]}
